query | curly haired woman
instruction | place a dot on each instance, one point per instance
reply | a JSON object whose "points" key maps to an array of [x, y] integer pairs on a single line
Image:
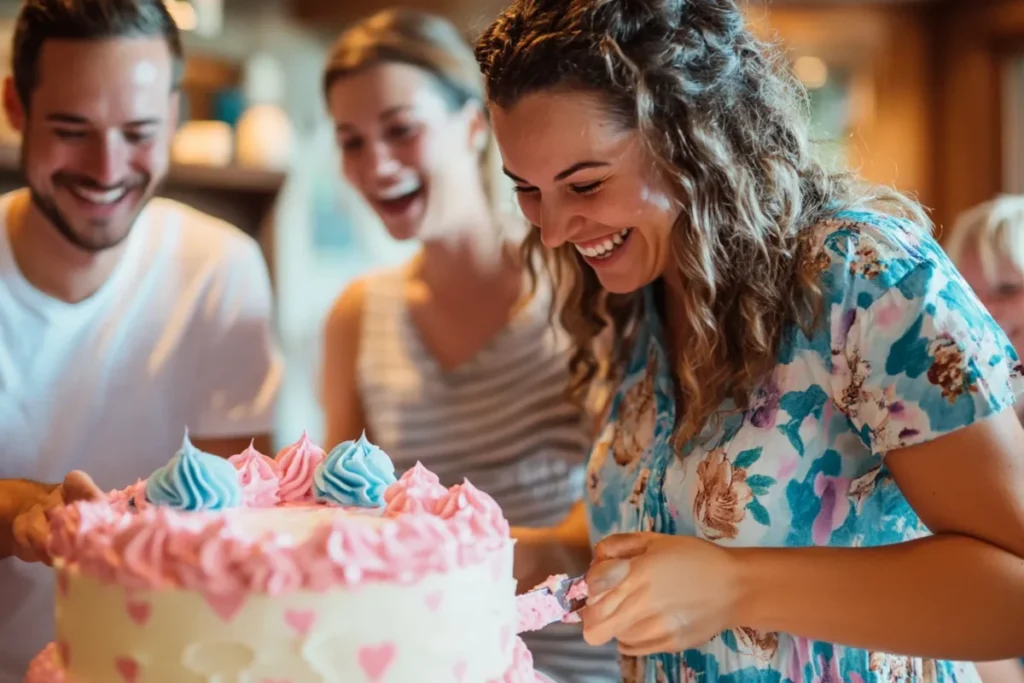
{"points": [[810, 458]]}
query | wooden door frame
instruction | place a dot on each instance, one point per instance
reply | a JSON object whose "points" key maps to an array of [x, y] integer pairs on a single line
{"points": [[974, 43]]}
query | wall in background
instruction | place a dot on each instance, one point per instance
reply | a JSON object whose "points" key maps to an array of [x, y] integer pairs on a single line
{"points": [[878, 70], [937, 91], [979, 49]]}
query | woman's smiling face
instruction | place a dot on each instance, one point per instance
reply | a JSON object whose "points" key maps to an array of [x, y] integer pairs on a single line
{"points": [[583, 179]]}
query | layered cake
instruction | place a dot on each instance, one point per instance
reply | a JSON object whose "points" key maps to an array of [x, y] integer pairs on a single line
{"points": [[305, 568]]}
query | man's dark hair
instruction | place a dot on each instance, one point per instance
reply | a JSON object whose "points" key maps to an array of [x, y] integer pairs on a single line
{"points": [[42, 20]]}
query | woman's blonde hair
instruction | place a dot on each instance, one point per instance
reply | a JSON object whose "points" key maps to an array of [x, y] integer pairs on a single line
{"points": [[433, 44], [727, 124], [996, 230]]}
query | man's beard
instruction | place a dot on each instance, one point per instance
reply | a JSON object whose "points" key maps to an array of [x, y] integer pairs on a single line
{"points": [[48, 208]]}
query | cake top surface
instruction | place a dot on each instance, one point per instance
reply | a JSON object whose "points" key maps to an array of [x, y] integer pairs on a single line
{"points": [[303, 520]]}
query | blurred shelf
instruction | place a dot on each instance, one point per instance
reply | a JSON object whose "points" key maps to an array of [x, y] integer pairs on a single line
{"points": [[229, 178], [244, 197], [235, 178]]}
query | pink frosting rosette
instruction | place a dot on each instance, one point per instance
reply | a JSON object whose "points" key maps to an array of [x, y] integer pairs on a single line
{"points": [[144, 551], [272, 572], [343, 553], [296, 465], [468, 505], [418, 545], [119, 498], [70, 525], [417, 491], [47, 667], [131, 496], [260, 478], [217, 555]]}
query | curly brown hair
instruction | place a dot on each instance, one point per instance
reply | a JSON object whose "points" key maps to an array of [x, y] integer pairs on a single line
{"points": [[728, 126]]}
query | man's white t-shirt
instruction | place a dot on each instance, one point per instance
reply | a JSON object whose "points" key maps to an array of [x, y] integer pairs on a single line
{"points": [[180, 336]]}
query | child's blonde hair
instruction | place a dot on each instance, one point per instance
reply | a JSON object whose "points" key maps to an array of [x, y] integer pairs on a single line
{"points": [[996, 230]]}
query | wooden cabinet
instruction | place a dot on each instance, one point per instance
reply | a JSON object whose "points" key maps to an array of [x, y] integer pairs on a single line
{"points": [[978, 54]]}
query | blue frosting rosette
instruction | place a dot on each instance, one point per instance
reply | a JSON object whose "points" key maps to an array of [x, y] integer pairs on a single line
{"points": [[194, 480], [354, 474]]}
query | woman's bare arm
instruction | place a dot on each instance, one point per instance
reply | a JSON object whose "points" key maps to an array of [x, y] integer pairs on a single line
{"points": [[956, 595]]}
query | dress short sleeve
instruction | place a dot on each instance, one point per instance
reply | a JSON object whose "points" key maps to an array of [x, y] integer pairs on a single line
{"points": [[914, 354]]}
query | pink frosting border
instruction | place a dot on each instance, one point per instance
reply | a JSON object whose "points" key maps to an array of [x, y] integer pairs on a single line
{"points": [[158, 548], [46, 667]]}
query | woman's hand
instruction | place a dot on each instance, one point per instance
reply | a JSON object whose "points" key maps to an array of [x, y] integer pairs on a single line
{"points": [[659, 593]]}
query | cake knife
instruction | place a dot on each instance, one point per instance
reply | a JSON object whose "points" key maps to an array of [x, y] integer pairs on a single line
{"points": [[570, 600], [554, 600]]}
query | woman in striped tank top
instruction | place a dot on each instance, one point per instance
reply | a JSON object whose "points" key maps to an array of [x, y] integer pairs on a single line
{"points": [[450, 359]]}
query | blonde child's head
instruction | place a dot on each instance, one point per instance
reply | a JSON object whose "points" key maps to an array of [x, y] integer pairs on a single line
{"points": [[987, 246]]}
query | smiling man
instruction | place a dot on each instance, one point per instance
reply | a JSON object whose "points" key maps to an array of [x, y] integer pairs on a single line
{"points": [[124, 318]]}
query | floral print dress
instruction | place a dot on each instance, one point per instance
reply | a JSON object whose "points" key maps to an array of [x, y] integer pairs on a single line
{"points": [[904, 354]]}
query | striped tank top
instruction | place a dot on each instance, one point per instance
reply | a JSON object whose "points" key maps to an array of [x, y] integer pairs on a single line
{"points": [[499, 420]]}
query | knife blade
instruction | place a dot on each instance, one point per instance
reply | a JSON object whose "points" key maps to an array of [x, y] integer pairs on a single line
{"points": [[557, 599], [570, 600]]}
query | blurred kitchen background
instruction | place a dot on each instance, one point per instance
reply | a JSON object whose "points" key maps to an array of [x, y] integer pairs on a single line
{"points": [[927, 95]]}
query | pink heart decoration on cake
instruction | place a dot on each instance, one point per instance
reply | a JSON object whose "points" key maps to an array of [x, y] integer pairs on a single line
{"points": [[128, 668], [139, 612], [374, 660], [433, 600], [301, 620], [226, 605], [65, 653], [460, 671]]}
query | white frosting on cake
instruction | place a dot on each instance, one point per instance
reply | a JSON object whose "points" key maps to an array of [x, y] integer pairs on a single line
{"points": [[445, 627], [309, 568], [296, 522]]}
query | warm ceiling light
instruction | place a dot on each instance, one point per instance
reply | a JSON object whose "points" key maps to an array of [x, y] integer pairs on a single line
{"points": [[812, 71], [183, 13]]}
